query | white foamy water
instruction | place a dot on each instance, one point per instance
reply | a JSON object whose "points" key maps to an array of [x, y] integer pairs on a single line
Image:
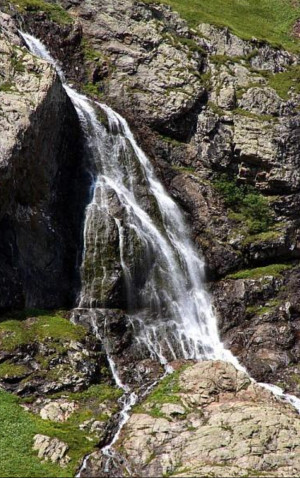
{"points": [[170, 311]]}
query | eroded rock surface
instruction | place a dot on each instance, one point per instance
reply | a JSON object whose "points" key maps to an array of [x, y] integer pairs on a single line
{"points": [[51, 449], [230, 427]]}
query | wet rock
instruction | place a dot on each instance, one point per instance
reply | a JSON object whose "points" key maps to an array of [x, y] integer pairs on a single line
{"points": [[259, 322]]}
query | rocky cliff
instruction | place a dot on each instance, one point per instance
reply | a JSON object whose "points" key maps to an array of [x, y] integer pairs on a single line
{"points": [[42, 176], [218, 116]]}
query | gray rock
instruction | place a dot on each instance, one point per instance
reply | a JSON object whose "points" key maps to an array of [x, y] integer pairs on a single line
{"points": [[51, 449]]}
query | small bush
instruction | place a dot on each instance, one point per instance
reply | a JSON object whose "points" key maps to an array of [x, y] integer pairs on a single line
{"points": [[249, 206]]}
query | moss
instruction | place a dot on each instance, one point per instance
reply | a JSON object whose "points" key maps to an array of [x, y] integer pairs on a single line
{"points": [[92, 89], [259, 310], [7, 86], [267, 236], [169, 140], [55, 12], [274, 270], [255, 116], [191, 44], [183, 169], [295, 377], [14, 333], [215, 108], [10, 370]]}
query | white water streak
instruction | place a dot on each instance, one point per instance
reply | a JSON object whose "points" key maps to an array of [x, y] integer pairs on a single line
{"points": [[182, 310]]}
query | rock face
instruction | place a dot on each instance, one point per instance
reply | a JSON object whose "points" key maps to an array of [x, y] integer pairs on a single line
{"points": [[212, 420], [203, 103], [41, 356], [219, 105], [42, 183], [51, 449]]}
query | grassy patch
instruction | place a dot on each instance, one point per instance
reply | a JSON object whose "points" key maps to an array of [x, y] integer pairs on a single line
{"points": [[215, 108], [16, 438], [262, 309], [268, 20], [92, 89], [183, 169], [6, 87], [274, 270], [15, 332], [18, 428], [9, 370], [255, 116], [246, 203], [286, 82], [54, 11]]}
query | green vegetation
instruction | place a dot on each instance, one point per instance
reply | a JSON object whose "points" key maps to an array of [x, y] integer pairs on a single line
{"points": [[55, 12], [92, 89], [9, 369], [262, 309], [249, 114], [6, 87], [274, 270], [268, 20], [18, 428], [165, 392], [15, 331], [285, 82], [215, 108], [182, 169], [248, 206]]}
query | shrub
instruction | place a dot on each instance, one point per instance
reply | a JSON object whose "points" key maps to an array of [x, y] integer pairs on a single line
{"points": [[247, 203]]}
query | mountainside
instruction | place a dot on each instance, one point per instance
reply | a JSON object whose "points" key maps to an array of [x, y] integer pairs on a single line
{"points": [[211, 93]]}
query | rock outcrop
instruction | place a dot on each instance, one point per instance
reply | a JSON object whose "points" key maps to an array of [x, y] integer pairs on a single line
{"points": [[208, 420], [51, 449], [43, 187]]}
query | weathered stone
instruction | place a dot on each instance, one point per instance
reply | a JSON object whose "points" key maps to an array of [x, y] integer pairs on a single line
{"points": [[51, 449], [58, 410]]}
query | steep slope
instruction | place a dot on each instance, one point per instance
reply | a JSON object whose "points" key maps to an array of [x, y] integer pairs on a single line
{"points": [[219, 118]]}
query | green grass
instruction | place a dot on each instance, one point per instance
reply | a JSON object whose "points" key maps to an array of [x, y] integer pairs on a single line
{"points": [[255, 116], [16, 438], [284, 83], [54, 11], [15, 332], [18, 428], [6, 87], [9, 369], [268, 20], [274, 270]]}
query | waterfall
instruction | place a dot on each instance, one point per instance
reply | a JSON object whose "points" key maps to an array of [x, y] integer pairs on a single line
{"points": [[161, 271], [170, 310]]}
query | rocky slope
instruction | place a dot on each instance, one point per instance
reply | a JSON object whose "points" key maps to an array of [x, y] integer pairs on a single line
{"points": [[223, 117], [219, 118], [208, 420]]}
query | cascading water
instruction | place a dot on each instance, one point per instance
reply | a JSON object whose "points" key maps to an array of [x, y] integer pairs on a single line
{"points": [[162, 273]]}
